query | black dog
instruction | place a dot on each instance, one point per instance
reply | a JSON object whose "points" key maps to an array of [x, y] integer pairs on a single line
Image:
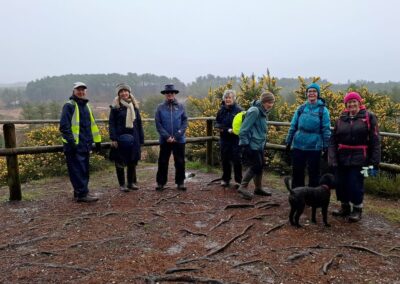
{"points": [[315, 197]]}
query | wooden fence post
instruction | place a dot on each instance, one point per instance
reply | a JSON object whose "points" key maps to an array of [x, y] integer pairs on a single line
{"points": [[209, 153], [13, 180]]}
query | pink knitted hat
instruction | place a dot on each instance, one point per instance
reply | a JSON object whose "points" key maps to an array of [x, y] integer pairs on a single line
{"points": [[352, 96]]}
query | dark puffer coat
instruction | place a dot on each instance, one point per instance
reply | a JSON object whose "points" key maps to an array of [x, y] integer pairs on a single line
{"points": [[350, 135], [224, 120], [117, 128]]}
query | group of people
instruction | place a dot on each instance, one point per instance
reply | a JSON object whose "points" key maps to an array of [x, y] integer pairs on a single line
{"points": [[353, 144], [79, 132]]}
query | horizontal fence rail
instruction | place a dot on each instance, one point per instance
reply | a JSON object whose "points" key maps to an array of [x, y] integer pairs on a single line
{"points": [[11, 151], [57, 121]]}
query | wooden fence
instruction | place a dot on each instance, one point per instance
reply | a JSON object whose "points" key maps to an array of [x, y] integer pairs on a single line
{"points": [[11, 151]]}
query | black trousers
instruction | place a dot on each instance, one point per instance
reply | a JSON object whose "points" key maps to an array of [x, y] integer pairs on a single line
{"points": [[230, 156], [130, 173], [254, 160], [301, 159], [78, 170], [178, 150]]}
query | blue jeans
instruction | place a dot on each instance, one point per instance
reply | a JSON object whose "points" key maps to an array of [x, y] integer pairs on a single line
{"points": [[349, 185]]}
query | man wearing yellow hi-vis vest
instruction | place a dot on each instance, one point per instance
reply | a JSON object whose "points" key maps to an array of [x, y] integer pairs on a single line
{"points": [[79, 131]]}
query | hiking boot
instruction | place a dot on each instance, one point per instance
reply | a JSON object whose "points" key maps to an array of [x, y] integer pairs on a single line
{"points": [[245, 193], [262, 192], [160, 187], [224, 183], [87, 199], [181, 187], [123, 188], [133, 186], [343, 212], [355, 216]]}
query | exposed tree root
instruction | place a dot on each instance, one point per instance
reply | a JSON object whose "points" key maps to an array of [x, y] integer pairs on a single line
{"points": [[193, 233], [361, 248], [247, 263], [258, 217], [229, 242], [222, 222], [326, 265], [183, 269], [268, 205], [240, 205], [298, 255], [274, 228], [14, 245], [166, 198]]}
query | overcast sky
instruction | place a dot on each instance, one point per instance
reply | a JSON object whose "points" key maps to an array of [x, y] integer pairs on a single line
{"points": [[338, 40]]}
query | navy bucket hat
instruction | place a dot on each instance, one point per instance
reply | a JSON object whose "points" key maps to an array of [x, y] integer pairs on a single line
{"points": [[169, 88]]}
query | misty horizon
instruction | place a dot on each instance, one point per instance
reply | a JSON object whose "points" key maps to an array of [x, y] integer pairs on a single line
{"points": [[338, 41]]}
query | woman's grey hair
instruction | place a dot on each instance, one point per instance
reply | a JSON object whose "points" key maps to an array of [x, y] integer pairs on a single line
{"points": [[229, 92]]}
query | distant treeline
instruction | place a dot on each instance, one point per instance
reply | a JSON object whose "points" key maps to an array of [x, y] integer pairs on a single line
{"points": [[145, 86]]}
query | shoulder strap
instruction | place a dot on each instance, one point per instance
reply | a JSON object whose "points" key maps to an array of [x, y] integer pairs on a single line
{"points": [[367, 120], [299, 112], [321, 113]]}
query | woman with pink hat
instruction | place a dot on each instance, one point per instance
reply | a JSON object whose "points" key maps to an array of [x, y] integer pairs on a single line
{"points": [[354, 144]]}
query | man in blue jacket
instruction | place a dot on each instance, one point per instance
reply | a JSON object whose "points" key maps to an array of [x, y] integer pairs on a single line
{"points": [[171, 123], [79, 131]]}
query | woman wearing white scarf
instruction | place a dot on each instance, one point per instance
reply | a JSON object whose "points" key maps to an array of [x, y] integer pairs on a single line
{"points": [[126, 134]]}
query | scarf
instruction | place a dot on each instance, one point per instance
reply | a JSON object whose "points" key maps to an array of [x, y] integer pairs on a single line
{"points": [[130, 112]]}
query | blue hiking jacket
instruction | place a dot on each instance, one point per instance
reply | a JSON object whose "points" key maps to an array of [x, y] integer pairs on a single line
{"points": [[171, 121], [306, 131]]}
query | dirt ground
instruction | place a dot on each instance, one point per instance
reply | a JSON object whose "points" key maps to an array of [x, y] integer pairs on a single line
{"points": [[184, 237]]}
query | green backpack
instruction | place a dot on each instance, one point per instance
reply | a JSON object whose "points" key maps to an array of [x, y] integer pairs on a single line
{"points": [[237, 122]]}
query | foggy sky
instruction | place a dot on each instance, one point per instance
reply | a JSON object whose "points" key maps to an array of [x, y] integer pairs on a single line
{"points": [[337, 40]]}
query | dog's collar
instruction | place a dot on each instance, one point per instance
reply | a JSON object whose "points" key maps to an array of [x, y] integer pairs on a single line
{"points": [[325, 186]]}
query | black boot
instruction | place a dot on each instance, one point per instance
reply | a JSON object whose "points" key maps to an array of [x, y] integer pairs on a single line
{"points": [[344, 211], [131, 177], [355, 216], [120, 175]]}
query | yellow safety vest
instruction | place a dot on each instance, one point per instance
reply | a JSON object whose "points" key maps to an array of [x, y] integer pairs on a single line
{"points": [[75, 125]]}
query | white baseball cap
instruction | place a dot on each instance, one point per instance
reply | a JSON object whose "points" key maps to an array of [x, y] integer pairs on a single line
{"points": [[79, 84]]}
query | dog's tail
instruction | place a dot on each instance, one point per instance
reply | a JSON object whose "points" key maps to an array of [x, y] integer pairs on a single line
{"points": [[287, 181]]}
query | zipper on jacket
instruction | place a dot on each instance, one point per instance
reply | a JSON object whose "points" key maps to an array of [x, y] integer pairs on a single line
{"points": [[172, 124]]}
